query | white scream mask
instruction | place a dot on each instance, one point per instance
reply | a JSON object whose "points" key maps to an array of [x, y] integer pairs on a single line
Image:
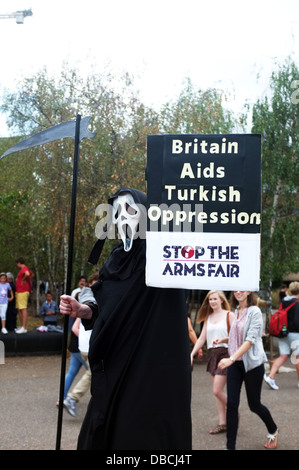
{"points": [[126, 215]]}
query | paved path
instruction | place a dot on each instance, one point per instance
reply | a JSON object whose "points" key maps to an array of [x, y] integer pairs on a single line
{"points": [[29, 388], [283, 404]]}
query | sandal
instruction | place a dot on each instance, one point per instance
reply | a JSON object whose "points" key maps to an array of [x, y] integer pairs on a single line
{"points": [[220, 428], [272, 441]]}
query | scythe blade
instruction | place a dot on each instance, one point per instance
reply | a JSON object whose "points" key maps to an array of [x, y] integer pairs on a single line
{"points": [[65, 129]]}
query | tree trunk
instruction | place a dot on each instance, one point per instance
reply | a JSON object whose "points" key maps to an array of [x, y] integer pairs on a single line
{"points": [[37, 282], [272, 228]]}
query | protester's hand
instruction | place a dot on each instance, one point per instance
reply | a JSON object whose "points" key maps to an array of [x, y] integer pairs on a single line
{"points": [[70, 306]]}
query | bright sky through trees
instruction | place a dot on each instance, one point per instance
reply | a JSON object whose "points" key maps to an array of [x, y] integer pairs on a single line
{"points": [[216, 44]]}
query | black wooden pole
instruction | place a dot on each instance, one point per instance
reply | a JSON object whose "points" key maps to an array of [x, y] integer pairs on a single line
{"points": [[68, 280]]}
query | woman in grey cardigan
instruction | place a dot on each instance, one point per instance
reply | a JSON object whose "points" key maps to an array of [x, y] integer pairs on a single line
{"points": [[246, 364]]}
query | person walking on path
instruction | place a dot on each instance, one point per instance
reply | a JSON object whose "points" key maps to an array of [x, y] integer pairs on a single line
{"points": [[246, 364], [290, 342], [76, 361], [73, 397], [216, 315]]}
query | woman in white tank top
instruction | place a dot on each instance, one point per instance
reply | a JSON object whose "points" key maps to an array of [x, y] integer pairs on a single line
{"points": [[217, 318]]}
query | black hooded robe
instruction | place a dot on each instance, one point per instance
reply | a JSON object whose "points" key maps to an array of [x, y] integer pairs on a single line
{"points": [[140, 361]]}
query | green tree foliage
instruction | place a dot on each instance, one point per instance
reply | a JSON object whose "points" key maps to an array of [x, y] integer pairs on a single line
{"points": [[15, 201], [276, 119], [199, 112]]}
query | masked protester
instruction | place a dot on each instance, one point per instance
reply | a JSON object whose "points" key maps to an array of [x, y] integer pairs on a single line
{"points": [[139, 350]]}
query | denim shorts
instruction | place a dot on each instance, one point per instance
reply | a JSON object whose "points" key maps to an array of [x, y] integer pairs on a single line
{"points": [[289, 343]]}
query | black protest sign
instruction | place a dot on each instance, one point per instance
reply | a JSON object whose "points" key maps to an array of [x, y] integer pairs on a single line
{"points": [[202, 189]]}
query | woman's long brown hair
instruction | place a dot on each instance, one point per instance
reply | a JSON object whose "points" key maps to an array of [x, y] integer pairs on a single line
{"points": [[205, 309]]}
